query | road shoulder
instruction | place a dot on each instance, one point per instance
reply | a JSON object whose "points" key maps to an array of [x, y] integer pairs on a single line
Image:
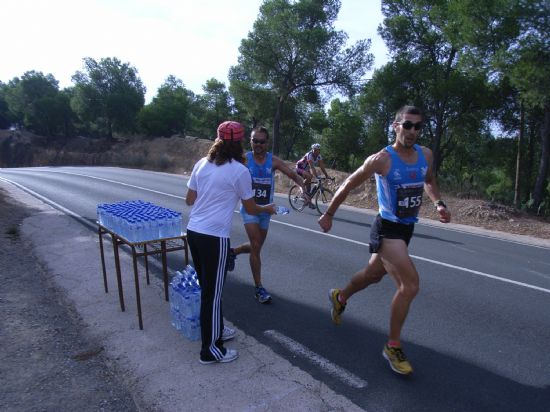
{"points": [[159, 367], [47, 361]]}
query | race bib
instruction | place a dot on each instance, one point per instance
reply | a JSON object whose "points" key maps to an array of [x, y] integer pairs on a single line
{"points": [[262, 192], [409, 200]]}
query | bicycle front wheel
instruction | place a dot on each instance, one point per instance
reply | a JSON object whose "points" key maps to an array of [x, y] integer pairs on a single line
{"points": [[322, 200], [296, 199]]}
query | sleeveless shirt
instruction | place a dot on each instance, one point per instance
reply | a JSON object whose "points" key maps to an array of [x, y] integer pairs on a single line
{"points": [[303, 163], [400, 191], [262, 178]]}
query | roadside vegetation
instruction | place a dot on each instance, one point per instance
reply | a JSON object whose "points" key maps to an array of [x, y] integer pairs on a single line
{"points": [[479, 69]]}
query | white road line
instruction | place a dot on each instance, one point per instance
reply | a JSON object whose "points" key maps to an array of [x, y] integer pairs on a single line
{"points": [[155, 262], [119, 183], [475, 272], [453, 228], [340, 373], [48, 201], [435, 262]]}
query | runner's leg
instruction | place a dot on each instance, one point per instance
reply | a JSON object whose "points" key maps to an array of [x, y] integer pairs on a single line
{"points": [[370, 274], [395, 257], [257, 237]]}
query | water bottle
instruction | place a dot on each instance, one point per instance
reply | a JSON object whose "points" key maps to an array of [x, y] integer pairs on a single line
{"points": [[146, 220], [124, 229], [193, 320], [179, 225], [183, 309], [185, 303], [175, 300], [181, 303], [161, 222], [132, 234], [174, 309], [195, 329], [281, 210], [139, 233], [101, 214], [171, 223]]}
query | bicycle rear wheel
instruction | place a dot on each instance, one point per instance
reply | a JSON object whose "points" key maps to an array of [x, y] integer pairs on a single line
{"points": [[296, 199], [322, 200]]}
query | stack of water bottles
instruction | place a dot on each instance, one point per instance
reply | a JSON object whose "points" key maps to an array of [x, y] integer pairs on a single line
{"points": [[139, 221], [185, 303]]}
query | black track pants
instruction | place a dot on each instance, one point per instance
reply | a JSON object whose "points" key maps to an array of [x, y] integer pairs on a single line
{"points": [[210, 259]]}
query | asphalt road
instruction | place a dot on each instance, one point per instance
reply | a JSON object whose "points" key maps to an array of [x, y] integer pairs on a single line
{"points": [[476, 333]]}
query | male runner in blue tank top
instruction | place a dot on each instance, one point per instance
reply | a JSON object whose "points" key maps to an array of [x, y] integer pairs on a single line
{"points": [[402, 170], [262, 165]]}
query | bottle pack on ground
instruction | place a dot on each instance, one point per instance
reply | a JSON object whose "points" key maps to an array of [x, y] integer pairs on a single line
{"points": [[185, 303]]}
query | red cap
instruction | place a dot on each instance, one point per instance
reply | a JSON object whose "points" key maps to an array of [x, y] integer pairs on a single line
{"points": [[230, 130]]}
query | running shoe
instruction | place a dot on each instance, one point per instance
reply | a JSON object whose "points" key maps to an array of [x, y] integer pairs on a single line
{"points": [[337, 308], [231, 260], [228, 333], [262, 295], [397, 360], [230, 355]]}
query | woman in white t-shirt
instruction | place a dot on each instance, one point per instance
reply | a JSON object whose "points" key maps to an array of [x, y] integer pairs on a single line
{"points": [[217, 183]]}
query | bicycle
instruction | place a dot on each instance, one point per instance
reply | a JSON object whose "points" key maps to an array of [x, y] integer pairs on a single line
{"points": [[322, 196]]}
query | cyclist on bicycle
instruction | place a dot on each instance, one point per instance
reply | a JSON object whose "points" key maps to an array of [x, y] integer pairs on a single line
{"points": [[305, 167]]}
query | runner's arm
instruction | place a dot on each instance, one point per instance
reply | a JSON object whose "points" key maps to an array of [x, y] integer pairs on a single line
{"points": [[376, 163], [191, 197], [252, 208], [432, 189], [283, 168]]}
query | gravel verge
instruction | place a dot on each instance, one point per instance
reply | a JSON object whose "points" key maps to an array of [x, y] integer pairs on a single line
{"points": [[47, 363]]}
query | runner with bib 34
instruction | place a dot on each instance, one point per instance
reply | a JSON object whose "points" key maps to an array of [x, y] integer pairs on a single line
{"points": [[262, 165], [403, 171]]}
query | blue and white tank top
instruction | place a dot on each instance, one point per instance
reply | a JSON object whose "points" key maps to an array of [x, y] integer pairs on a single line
{"points": [[400, 191], [262, 178], [303, 163]]}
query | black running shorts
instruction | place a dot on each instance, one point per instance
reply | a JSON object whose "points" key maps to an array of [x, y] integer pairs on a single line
{"points": [[382, 228]]}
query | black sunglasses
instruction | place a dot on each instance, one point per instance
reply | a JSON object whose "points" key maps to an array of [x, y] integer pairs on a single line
{"points": [[408, 125], [259, 141]]}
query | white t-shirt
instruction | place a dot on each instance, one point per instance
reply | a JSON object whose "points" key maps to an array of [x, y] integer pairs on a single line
{"points": [[219, 188]]}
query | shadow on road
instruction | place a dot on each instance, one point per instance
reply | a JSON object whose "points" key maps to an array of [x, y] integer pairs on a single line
{"points": [[440, 382]]}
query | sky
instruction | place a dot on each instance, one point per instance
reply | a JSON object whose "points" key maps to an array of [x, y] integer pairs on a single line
{"points": [[194, 40]]}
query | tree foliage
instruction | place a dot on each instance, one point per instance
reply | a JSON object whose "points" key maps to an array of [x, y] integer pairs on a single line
{"points": [[212, 107], [108, 92], [169, 112], [455, 101], [510, 38], [6, 117], [255, 102], [35, 102], [294, 47], [344, 139]]}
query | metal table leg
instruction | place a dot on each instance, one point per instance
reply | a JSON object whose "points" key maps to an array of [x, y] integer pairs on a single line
{"points": [[164, 269], [136, 279], [146, 263], [100, 233], [118, 273]]}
